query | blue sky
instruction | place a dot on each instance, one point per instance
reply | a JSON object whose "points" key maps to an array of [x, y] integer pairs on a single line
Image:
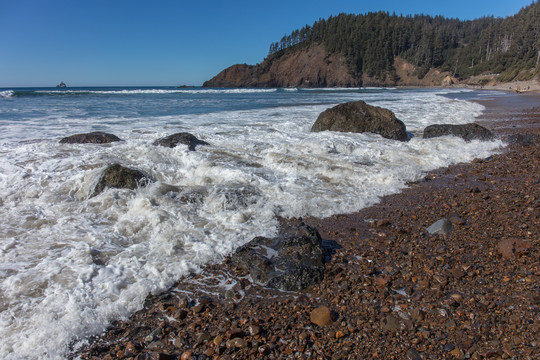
{"points": [[144, 43]]}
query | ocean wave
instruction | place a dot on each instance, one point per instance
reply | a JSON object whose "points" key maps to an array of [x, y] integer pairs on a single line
{"points": [[73, 264], [154, 91], [333, 89], [288, 89], [7, 94]]}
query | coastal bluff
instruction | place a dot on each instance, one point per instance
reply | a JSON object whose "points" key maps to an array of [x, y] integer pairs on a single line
{"points": [[313, 67]]}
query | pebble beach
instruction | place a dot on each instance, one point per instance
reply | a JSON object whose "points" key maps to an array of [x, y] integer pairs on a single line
{"points": [[391, 289]]}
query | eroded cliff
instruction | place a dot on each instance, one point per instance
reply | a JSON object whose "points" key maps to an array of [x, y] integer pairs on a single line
{"points": [[312, 67]]}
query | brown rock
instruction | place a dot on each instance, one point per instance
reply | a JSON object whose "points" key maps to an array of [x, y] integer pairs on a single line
{"points": [[390, 323], [254, 330], [180, 314], [457, 272], [381, 281], [235, 333], [418, 315], [203, 338], [511, 248], [218, 340], [413, 354], [197, 308], [186, 355], [489, 353], [238, 343], [162, 356], [321, 316]]}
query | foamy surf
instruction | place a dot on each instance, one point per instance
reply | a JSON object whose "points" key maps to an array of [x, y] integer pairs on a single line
{"points": [[7, 93], [71, 263]]}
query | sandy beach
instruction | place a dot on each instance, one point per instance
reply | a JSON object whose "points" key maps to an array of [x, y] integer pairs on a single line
{"points": [[391, 290]]}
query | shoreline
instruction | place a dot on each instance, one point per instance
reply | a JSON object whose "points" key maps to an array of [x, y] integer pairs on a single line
{"points": [[396, 291]]}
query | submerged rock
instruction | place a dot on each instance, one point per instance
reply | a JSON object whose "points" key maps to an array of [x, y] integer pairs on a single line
{"points": [[292, 261], [467, 132], [117, 176], [359, 117], [96, 137], [180, 138]]}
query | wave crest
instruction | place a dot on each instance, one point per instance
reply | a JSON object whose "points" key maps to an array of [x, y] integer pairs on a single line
{"points": [[7, 93], [154, 91]]}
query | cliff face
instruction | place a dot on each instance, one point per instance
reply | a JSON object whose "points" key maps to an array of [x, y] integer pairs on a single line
{"points": [[309, 68], [240, 75], [316, 68]]}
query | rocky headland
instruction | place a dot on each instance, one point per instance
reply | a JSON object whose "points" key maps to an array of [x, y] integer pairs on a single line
{"points": [[315, 68], [311, 68]]}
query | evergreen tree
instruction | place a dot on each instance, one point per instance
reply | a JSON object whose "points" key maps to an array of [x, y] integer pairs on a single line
{"points": [[371, 41]]}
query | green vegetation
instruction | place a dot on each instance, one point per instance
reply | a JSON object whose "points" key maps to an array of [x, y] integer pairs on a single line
{"points": [[370, 42]]}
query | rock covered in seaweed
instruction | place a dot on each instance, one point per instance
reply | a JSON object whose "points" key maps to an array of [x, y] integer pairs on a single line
{"points": [[292, 261], [185, 138], [467, 132], [96, 137], [120, 177], [359, 117]]}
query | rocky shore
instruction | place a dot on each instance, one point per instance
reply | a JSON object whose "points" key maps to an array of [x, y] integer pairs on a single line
{"points": [[392, 287]]}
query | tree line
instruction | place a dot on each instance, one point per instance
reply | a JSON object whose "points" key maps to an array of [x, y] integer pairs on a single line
{"points": [[371, 41]]}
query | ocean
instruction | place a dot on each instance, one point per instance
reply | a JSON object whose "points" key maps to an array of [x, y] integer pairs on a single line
{"points": [[71, 263]]}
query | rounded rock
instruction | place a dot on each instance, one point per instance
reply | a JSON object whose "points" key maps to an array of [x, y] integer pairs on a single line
{"points": [[321, 316]]}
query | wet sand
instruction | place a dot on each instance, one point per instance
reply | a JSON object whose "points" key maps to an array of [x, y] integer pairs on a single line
{"points": [[394, 291]]}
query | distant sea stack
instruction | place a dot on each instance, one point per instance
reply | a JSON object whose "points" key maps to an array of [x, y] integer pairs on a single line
{"points": [[61, 85], [379, 49]]}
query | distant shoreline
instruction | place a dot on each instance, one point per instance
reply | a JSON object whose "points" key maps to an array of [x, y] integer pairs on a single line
{"points": [[513, 86]]}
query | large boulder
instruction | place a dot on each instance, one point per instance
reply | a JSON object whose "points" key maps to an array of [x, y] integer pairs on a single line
{"points": [[523, 139], [467, 132], [180, 138], [359, 117], [96, 137], [117, 176], [292, 261]]}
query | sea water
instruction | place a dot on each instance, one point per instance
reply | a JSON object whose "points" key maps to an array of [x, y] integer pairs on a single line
{"points": [[71, 263]]}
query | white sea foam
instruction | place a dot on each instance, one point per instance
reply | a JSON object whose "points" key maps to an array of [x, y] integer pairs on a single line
{"points": [[71, 263], [7, 93], [158, 91]]}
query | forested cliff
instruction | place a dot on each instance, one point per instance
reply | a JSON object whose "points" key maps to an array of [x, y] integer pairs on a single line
{"points": [[388, 49]]}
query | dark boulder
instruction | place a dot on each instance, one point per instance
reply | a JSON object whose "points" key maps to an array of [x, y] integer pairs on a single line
{"points": [[467, 132], [96, 137], [117, 176], [180, 138], [359, 117], [523, 139], [292, 261]]}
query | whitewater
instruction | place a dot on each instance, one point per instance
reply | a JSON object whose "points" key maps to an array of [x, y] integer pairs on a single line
{"points": [[71, 263]]}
